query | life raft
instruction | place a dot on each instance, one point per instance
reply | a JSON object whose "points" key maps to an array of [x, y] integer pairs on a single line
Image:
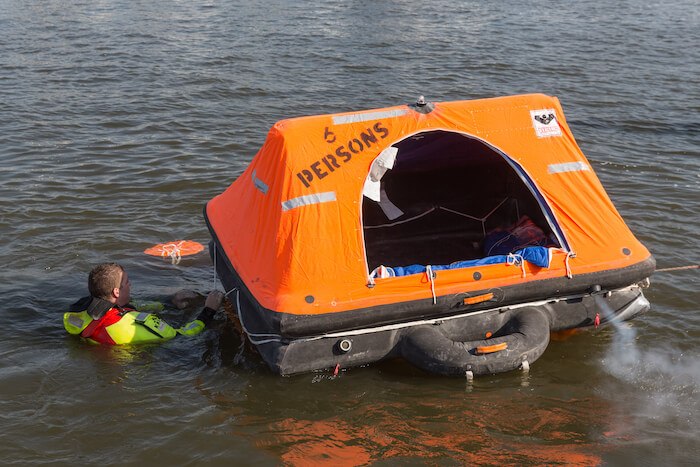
{"points": [[414, 230]]}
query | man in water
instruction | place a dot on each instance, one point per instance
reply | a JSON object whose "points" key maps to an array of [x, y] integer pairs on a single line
{"points": [[107, 317]]}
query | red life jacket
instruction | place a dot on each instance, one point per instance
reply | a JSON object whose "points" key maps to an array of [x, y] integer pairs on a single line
{"points": [[97, 331]]}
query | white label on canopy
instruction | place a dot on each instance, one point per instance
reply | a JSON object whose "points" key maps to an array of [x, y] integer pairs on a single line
{"points": [[545, 123]]}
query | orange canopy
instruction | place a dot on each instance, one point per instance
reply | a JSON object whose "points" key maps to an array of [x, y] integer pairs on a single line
{"points": [[292, 227]]}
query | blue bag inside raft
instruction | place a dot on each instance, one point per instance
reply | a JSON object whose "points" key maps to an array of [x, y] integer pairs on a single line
{"points": [[537, 255]]}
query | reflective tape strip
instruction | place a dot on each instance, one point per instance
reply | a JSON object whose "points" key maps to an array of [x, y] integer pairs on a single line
{"points": [[259, 184], [363, 117], [567, 167], [75, 320], [190, 326], [141, 317], [308, 199]]}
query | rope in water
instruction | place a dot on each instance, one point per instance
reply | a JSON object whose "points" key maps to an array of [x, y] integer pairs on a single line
{"points": [[679, 268]]}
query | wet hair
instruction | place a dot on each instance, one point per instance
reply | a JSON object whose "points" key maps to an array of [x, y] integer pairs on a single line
{"points": [[103, 278]]}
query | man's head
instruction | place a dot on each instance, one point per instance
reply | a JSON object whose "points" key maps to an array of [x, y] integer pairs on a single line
{"points": [[109, 281]]}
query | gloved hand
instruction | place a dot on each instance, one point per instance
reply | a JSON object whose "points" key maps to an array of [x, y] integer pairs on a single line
{"points": [[212, 303], [214, 300], [185, 298]]}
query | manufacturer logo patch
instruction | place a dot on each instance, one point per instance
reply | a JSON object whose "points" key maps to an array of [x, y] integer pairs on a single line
{"points": [[545, 123]]}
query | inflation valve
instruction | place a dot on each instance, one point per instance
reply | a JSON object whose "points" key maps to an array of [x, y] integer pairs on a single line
{"points": [[344, 345], [422, 106]]}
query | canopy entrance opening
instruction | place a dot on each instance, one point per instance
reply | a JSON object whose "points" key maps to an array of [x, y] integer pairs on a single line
{"points": [[449, 197]]}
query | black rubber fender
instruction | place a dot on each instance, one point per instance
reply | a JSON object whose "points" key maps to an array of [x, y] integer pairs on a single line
{"points": [[525, 331]]}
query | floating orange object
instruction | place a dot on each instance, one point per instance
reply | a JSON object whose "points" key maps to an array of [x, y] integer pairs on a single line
{"points": [[175, 250]]}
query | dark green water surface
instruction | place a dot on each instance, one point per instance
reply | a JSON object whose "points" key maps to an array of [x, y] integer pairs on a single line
{"points": [[120, 119]]}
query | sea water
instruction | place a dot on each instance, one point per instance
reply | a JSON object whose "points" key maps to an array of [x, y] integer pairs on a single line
{"points": [[119, 120]]}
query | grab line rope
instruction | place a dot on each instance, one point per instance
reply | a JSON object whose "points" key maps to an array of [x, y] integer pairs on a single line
{"points": [[173, 250], [213, 287], [516, 260], [431, 279], [678, 268]]}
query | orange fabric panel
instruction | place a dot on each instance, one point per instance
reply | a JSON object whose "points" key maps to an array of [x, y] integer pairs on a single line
{"points": [[317, 249]]}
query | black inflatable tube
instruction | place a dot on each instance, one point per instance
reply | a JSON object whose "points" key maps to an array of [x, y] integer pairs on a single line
{"points": [[526, 332]]}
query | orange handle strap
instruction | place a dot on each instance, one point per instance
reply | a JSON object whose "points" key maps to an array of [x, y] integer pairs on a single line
{"points": [[485, 349], [478, 299]]}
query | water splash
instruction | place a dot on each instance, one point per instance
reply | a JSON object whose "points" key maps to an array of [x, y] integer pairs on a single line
{"points": [[627, 361], [664, 380]]}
